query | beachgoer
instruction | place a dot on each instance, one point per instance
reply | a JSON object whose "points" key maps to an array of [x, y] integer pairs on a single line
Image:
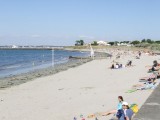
{"points": [[147, 85], [155, 66], [112, 67], [125, 113], [116, 66], [120, 65], [150, 77], [139, 53], [119, 106], [129, 63]]}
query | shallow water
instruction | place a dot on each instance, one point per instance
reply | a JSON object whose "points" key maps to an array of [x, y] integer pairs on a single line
{"points": [[14, 62]]}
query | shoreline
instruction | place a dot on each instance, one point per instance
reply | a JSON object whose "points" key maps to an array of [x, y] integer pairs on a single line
{"points": [[13, 80], [21, 78]]}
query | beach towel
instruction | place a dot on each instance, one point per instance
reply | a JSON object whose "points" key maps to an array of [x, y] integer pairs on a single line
{"points": [[150, 86], [130, 91]]}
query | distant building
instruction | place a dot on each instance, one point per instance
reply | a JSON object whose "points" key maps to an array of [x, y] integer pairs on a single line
{"points": [[124, 44], [103, 43], [14, 46]]}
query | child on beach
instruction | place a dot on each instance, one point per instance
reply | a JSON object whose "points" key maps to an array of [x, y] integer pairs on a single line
{"points": [[125, 113], [119, 106]]}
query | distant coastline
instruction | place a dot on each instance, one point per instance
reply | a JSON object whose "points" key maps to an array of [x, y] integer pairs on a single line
{"points": [[30, 47]]}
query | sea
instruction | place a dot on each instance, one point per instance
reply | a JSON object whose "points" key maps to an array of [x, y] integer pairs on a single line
{"points": [[13, 62]]}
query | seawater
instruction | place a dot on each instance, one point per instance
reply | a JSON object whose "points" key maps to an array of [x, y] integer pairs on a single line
{"points": [[14, 62]]}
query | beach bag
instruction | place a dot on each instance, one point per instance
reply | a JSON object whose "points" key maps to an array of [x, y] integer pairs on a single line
{"points": [[134, 108]]}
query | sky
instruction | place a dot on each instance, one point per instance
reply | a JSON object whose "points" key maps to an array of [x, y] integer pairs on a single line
{"points": [[62, 22]]}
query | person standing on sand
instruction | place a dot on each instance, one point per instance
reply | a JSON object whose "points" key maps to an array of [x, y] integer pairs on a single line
{"points": [[139, 53]]}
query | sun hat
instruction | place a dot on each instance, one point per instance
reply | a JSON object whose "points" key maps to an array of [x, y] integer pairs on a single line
{"points": [[124, 103]]}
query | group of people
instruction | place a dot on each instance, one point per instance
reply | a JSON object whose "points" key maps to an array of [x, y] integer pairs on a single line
{"points": [[123, 111], [120, 65], [152, 80], [117, 66]]}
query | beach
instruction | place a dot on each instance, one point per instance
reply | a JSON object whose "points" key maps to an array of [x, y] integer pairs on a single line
{"points": [[82, 90], [16, 74]]}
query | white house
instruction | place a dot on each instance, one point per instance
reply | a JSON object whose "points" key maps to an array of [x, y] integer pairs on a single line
{"points": [[14, 46], [102, 43], [124, 44]]}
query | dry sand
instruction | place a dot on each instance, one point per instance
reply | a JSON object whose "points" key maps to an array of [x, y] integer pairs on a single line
{"points": [[86, 89]]}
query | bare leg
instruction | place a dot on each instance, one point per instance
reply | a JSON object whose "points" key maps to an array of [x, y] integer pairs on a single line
{"points": [[110, 112], [144, 78], [138, 85]]}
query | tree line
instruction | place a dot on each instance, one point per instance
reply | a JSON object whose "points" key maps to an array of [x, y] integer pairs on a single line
{"points": [[149, 41], [134, 42]]}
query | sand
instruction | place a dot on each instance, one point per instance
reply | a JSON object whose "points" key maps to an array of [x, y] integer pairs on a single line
{"points": [[86, 89]]}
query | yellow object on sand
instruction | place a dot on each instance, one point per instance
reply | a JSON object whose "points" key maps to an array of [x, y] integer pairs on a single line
{"points": [[134, 107], [91, 116]]}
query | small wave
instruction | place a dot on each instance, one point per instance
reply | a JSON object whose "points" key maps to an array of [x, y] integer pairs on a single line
{"points": [[13, 66]]}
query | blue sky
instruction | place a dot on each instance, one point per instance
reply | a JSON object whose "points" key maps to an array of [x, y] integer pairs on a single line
{"points": [[61, 22]]}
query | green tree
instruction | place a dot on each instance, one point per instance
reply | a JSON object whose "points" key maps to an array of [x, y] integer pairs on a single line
{"points": [[116, 42], [79, 42], [111, 43], [135, 42], [149, 41], [158, 41], [94, 43], [124, 42], [144, 40]]}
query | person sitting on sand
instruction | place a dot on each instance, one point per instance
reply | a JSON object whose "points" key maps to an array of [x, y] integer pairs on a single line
{"points": [[147, 85], [155, 66], [120, 65], [112, 67], [150, 77], [117, 57], [129, 63], [119, 106], [116, 66], [137, 57], [125, 113]]}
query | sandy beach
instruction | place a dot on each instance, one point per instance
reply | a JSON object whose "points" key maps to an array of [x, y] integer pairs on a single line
{"points": [[86, 89]]}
